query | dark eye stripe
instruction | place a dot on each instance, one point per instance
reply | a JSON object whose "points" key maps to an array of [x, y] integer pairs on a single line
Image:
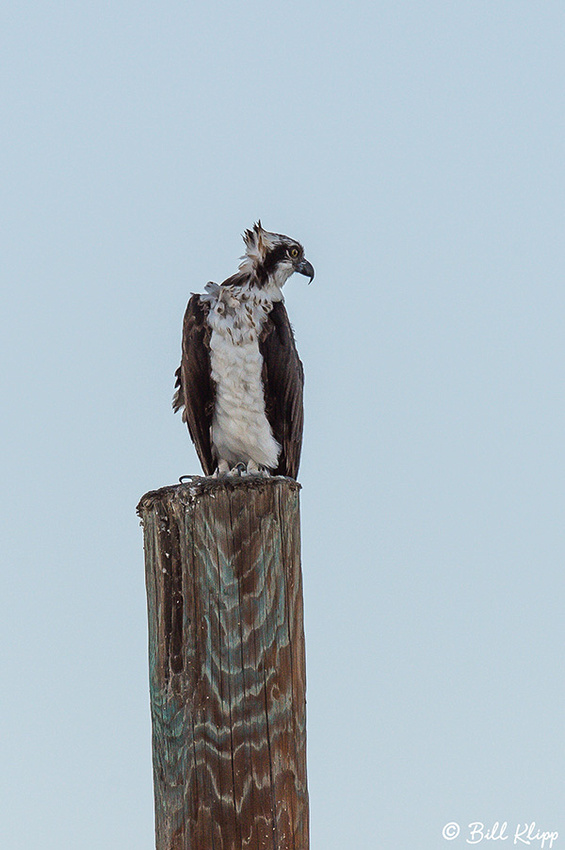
{"points": [[273, 258]]}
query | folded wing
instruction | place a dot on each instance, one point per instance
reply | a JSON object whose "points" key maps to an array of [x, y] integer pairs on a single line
{"points": [[283, 382], [195, 388]]}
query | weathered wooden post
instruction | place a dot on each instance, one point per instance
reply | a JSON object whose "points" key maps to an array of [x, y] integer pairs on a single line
{"points": [[227, 665]]}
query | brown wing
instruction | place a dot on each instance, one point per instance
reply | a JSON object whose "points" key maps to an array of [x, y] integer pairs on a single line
{"points": [[283, 382], [195, 390]]}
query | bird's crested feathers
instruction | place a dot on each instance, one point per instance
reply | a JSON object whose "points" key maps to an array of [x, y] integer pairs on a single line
{"points": [[258, 243]]}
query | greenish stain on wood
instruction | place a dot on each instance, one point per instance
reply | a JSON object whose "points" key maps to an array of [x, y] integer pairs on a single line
{"points": [[227, 664]]}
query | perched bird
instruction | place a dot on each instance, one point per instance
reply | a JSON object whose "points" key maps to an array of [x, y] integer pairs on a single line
{"points": [[240, 380]]}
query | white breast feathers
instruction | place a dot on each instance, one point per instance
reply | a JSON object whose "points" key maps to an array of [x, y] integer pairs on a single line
{"points": [[240, 429]]}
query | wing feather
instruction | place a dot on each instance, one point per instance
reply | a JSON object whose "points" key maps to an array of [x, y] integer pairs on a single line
{"points": [[195, 389], [283, 383]]}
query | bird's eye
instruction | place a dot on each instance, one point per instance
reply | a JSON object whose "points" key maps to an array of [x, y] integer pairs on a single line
{"points": [[293, 252]]}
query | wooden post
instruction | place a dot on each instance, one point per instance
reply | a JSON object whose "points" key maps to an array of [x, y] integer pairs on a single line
{"points": [[227, 665]]}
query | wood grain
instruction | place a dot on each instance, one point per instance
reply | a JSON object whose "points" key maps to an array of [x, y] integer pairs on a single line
{"points": [[227, 665]]}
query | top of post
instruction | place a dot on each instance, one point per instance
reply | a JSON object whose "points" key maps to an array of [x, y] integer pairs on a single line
{"points": [[197, 486]]}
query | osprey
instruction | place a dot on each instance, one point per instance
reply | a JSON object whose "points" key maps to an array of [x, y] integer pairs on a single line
{"points": [[240, 380]]}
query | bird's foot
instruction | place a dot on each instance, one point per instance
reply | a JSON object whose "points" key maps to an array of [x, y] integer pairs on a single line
{"points": [[236, 471], [240, 469]]}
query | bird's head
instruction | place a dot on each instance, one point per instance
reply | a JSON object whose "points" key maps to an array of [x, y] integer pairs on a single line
{"points": [[273, 257]]}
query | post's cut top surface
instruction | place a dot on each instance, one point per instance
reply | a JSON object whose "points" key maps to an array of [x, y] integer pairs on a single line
{"points": [[198, 485]]}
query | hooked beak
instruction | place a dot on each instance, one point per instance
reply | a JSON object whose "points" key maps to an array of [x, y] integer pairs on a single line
{"points": [[307, 269]]}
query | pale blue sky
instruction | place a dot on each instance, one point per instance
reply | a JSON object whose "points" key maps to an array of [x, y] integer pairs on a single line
{"points": [[416, 149]]}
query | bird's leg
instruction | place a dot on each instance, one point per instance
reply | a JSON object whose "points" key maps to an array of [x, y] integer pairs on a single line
{"points": [[254, 469], [222, 469]]}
